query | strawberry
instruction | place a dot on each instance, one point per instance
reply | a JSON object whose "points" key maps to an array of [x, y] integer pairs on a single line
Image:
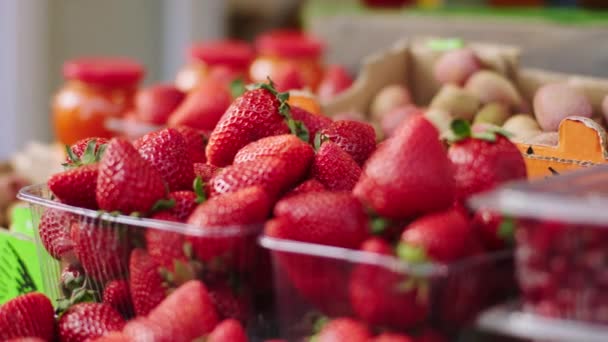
{"points": [[335, 80], [72, 278], [356, 138], [78, 149], [155, 104], [203, 107], [273, 174], [495, 231], [288, 77], [344, 329], [230, 304], [76, 186], [311, 185], [167, 151], [392, 119], [286, 147], [429, 335], [145, 282], [28, 315], [381, 296], [334, 168], [185, 203], [313, 122], [195, 141], [393, 337], [256, 114], [113, 337], [126, 181], [25, 339], [186, 322], [335, 219], [483, 161], [54, 230], [239, 209], [86, 321], [397, 192], [118, 296], [165, 247], [102, 250], [205, 171], [229, 330]]}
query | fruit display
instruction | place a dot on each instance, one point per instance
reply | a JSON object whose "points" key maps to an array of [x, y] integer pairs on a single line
{"points": [[561, 243]]}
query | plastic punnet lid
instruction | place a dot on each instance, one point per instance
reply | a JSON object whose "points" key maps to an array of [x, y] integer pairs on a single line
{"points": [[233, 53], [577, 197], [289, 43], [105, 71]]}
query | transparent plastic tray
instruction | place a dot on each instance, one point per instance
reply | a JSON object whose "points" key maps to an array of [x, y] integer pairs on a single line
{"points": [[232, 259], [314, 280], [509, 320]]}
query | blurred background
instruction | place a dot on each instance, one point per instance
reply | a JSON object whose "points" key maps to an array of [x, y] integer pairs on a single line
{"points": [[39, 35]]}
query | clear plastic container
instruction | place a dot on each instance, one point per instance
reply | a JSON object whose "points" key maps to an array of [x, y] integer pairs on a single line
{"points": [[509, 320], [562, 242], [234, 268], [313, 280]]}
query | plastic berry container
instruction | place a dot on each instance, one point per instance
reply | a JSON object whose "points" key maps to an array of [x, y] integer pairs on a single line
{"points": [[314, 281], [106, 248], [224, 60], [561, 243], [96, 89], [283, 51]]}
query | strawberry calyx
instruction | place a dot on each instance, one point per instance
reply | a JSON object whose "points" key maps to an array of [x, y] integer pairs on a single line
{"points": [[83, 294], [92, 154], [183, 270], [296, 127], [378, 225], [319, 140], [237, 87], [506, 230], [199, 190], [461, 130], [414, 255], [163, 204]]}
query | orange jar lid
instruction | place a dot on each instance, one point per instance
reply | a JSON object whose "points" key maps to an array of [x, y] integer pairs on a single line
{"points": [[289, 43], [104, 71], [233, 53]]}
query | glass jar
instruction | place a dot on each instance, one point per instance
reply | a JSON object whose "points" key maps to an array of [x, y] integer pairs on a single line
{"points": [[96, 89], [287, 49], [224, 60]]}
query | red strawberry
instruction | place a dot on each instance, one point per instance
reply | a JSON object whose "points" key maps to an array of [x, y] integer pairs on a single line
{"points": [[29, 315], [356, 138], [118, 296], [239, 209], [103, 251], [229, 304], [165, 247], [344, 329], [205, 171], [54, 230], [335, 81], [313, 122], [154, 104], [288, 77], [286, 147], [395, 191], [335, 219], [273, 174], [254, 115], [381, 296], [185, 203], [187, 313], [334, 168], [392, 337], [392, 119], [229, 330], [495, 231], [88, 321], [145, 282], [79, 148], [203, 107], [76, 186], [167, 151], [429, 335], [311, 185], [483, 161], [113, 337], [126, 181], [195, 141], [26, 339]]}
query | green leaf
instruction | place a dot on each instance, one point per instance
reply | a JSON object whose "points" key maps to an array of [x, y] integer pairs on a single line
{"points": [[461, 129], [163, 204], [506, 229], [411, 254], [237, 87], [199, 190]]}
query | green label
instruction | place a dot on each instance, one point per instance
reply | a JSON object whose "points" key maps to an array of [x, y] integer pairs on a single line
{"points": [[21, 218], [19, 267], [445, 44]]}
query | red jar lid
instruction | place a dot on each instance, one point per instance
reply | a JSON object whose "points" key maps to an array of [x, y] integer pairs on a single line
{"points": [[289, 43], [105, 71], [232, 53]]}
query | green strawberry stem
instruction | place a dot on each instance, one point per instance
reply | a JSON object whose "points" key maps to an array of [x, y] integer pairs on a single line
{"points": [[199, 190], [319, 140], [412, 254], [462, 130], [378, 225], [163, 204], [92, 154], [506, 229]]}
